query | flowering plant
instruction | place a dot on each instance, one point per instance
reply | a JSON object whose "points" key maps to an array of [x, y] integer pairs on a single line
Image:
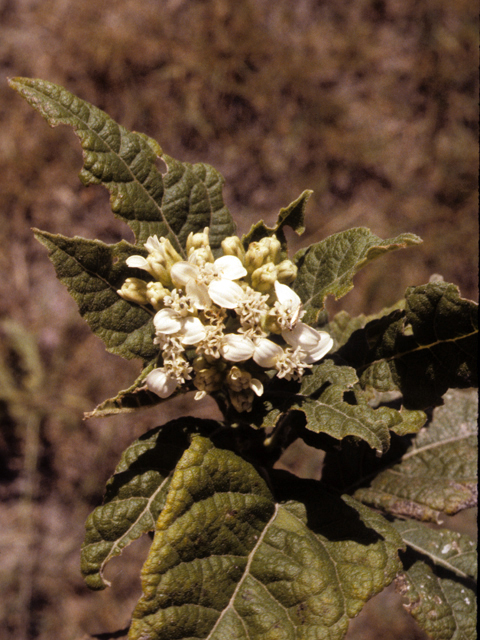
{"points": [[241, 548]]}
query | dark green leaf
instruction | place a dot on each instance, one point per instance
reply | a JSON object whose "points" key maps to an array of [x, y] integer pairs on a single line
{"points": [[92, 272], [439, 472], [445, 609], [328, 267], [228, 561], [422, 351], [135, 495], [448, 549], [186, 198]]}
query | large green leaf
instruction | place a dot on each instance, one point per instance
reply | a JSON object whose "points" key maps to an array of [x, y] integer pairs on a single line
{"points": [[327, 267], [186, 198], [92, 272], [439, 472], [445, 609], [228, 561], [422, 351], [447, 549], [135, 495]]}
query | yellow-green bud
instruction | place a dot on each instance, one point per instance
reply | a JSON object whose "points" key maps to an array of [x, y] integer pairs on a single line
{"points": [[264, 277], [134, 290], [232, 246], [286, 272], [273, 245], [171, 254], [270, 324], [208, 380], [156, 293], [238, 380], [159, 270], [256, 256], [202, 255], [197, 240]]}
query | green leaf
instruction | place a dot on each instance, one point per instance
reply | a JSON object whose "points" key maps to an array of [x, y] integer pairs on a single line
{"points": [[292, 216], [227, 561], [327, 267], [422, 351], [439, 471], [448, 549], [92, 272], [186, 198], [135, 495], [445, 609]]}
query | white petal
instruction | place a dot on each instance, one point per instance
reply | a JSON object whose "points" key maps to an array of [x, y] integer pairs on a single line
{"points": [[315, 343], [167, 321], [225, 293], [287, 296], [161, 384], [198, 293], [192, 331], [256, 386], [137, 262], [230, 267], [236, 348], [181, 272], [153, 245], [266, 353]]}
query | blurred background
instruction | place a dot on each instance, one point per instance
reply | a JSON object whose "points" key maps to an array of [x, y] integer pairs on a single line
{"points": [[373, 104]]}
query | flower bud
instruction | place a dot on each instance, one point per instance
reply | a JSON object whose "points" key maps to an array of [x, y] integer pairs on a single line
{"points": [[232, 246], [156, 292], [209, 379], [286, 272], [197, 240], [242, 400], [134, 290], [272, 243], [264, 277], [256, 255], [238, 380], [201, 256], [159, 271]]}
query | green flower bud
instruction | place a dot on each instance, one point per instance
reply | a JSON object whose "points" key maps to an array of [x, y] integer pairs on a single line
{"points": [[286, 272], [134, 290], [202, 255], [256, 256], [159, 270], [232, 246], [198, 240], [156, 293], [272, 243], [208, 380], [264, 277]]}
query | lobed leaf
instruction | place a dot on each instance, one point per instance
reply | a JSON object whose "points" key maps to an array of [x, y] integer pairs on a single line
{"points": [[439, 471], [422, 351], [92, 272], [186, 198], [327, 267], [228, 561], [447, 549], [445, 609], [135, 495]]}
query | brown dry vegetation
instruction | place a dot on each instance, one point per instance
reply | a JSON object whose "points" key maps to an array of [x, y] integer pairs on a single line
{"points": [[371, 103]]}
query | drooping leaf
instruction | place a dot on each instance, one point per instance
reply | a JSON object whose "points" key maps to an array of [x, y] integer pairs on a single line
{"points": [[186, 198], [448, 549], [445, 609], [422, 351], [327, 267], [439, 472], [135, 495], [292, 216], [92, 272], [228, 561]]}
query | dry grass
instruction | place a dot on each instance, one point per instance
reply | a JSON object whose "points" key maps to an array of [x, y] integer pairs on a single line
{"points": [[372, 103]]}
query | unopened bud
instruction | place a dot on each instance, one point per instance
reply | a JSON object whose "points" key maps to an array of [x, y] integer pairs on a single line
{"points": [[201, 256], [272, 243], [208, 380], [256, 256], [242, 400], [134, 290], [232, 246], [238, 380], [286, 272], [171, 256], [264, 277], [159, 271], [197, 240], [156, 292]]}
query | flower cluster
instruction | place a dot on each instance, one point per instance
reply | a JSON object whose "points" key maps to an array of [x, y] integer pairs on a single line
{"points": [[221, 323]]}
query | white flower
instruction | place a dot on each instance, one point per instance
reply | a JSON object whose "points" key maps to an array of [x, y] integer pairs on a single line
{"points": [[161, 257], [288, 308], [161, 383], [236, 347], [201, 282], [315, 344], [189, 329]]}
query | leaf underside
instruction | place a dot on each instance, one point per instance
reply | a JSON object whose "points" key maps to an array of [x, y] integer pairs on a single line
{"points": [[228, 561], [438, 474]]}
